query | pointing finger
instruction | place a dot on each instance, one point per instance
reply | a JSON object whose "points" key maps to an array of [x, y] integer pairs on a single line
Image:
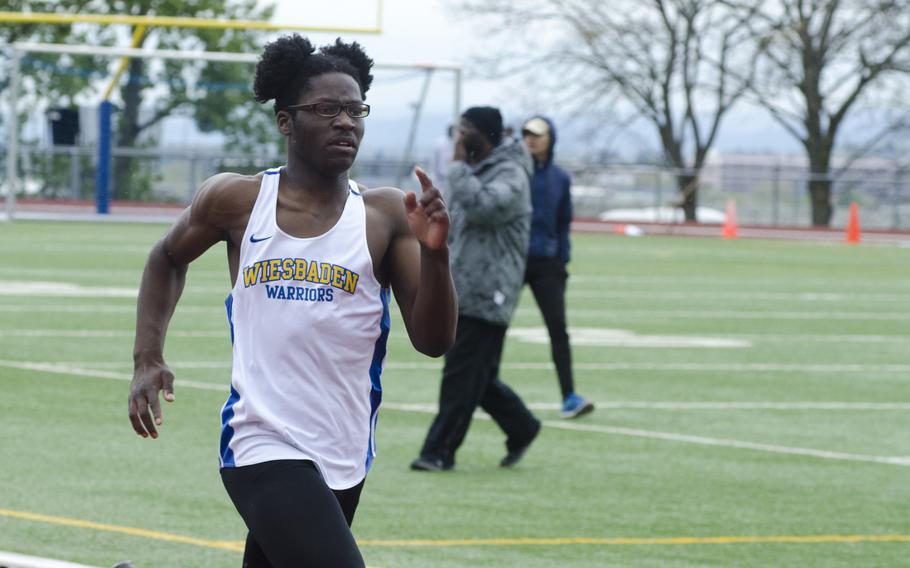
{"points": [[425, 181]]}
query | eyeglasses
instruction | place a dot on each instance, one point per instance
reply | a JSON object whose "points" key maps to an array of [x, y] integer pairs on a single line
{"points": [[331, 110]]}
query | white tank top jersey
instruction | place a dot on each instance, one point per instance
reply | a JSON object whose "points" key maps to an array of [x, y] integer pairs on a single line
{"points": [[309, 323]]}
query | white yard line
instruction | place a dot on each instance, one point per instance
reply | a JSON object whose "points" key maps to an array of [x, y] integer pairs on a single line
{"points": [[522, 312], [724, 314], [531, 334], [674, 405], [59, 369], [13, 560], [426, 408], [815, 368], [685, 438], [740, 295], [729, 443], [92, 333], [900, 369], [129, 308], [860, 281]]}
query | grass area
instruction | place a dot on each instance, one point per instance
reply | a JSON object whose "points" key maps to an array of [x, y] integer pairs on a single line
{"points": [[769, 452]]}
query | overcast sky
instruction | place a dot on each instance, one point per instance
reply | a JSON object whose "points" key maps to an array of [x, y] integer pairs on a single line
{"points": [[428, 31]]}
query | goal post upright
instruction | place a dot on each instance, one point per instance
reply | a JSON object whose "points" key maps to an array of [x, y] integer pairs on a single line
{"points": [[102, 194], [142, 22]]}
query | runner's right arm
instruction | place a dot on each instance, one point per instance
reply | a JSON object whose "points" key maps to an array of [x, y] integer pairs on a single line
{"points": [[206, 222]]}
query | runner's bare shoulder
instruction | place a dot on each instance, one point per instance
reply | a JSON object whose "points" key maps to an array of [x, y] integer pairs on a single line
{"points": [[387, 200], [226, 199]]}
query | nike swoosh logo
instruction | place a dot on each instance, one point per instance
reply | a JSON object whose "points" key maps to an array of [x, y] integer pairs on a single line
{"points": [[253, 239]]}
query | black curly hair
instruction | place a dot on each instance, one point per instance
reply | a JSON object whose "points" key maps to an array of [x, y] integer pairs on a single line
{"points": [[288, 63]]}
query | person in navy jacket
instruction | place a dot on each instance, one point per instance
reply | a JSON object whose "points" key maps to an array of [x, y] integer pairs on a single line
{"points": [[548, 253]]}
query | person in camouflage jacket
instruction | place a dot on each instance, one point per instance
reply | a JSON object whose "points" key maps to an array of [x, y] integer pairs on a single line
{"points": [[489, 200]]}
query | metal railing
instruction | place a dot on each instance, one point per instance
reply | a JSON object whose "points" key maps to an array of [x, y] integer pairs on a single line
{"points": [[772, 194]]}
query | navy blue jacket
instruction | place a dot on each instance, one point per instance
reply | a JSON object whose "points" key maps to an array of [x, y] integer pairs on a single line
{"points": [[552, 204]]}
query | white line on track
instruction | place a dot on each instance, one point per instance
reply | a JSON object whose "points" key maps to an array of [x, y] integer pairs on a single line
{"points": [[724, 314], [129, 308], [13, 560], [694, 367], [634, 432], [755, 337], [742, 295], [674, 405], [91, 333], [522, 312], [699, 440], [861, 281], [54, 288], [816, 368]]}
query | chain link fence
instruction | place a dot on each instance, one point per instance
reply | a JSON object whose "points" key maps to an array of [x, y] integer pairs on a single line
{"points": [[767, 190]]}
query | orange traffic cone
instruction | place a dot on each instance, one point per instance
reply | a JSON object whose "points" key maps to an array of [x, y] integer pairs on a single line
{"points": [[853, 225], [730, 230]]}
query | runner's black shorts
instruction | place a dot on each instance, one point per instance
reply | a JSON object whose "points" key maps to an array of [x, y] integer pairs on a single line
{"points": [[294, 518]]}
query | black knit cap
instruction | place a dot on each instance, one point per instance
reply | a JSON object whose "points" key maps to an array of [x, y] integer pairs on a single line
{"points": [[488, 121]]}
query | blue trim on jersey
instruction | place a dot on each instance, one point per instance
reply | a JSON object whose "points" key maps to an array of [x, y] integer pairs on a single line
{"points": [[227, 431], [274, 172], [379, 352], [229, 306]]}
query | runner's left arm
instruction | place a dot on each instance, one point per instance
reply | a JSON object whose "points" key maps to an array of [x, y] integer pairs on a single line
{"points": [[419, 270]]}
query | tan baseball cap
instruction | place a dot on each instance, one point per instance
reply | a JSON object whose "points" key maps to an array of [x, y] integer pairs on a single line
{"points": [[536, 126]]}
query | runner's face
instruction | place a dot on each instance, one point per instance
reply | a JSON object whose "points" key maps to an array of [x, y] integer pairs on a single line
{"points": [[327, 144]]}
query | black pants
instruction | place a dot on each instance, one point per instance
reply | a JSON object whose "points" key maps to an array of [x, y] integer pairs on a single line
{"points": [[547, 278], [294, 519], [471, 378]]}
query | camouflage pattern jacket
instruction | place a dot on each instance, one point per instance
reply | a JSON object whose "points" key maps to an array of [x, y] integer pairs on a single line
{"points": [[490, 210]]}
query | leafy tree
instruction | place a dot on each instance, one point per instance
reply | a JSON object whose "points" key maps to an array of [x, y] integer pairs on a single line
{"points": [[216, 94]]}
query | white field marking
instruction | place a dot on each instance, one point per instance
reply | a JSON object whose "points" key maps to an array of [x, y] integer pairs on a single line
{"points": [[591, 336], [742, 295], [101, 308], [667, 436], [724, 314], [681, 406], [821, 368], [83, 368], [58, 247], [95, 373], [12, 560], [79, 368], [194, 272], [94, 333], [689, 367], [832, 338], [522, 312], [522, 334], [62, 289], [784, 280], [76, 369], [685, 438]]}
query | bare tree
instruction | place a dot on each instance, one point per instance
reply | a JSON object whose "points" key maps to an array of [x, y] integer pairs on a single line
{"points": [[670, 60], [823, 60]]}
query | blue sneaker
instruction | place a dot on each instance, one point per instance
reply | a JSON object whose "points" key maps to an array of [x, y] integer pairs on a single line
{"points": [[574, 406]]}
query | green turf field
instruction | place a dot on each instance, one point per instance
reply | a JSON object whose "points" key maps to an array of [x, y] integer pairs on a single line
{"points": [[754, 410]]}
